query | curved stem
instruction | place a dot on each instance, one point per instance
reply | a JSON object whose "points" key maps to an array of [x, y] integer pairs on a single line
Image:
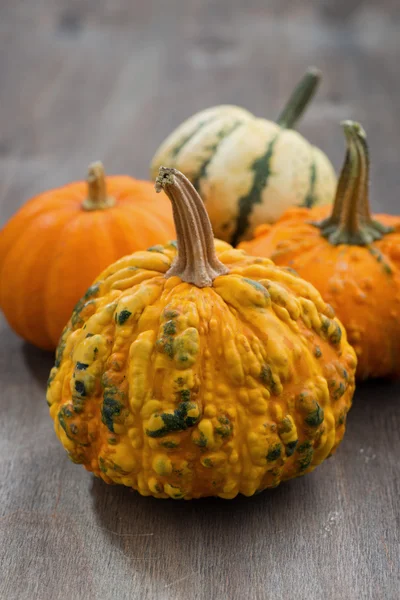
{"points": [[365, 205], [351, 222], [300, 98], [196, 261], [330, 223], [97, 197], [350, 228]]}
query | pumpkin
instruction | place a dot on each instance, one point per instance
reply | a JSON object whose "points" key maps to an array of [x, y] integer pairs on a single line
{"points": [[352, 258], [56, 244], [194, 369], [249, 170]]}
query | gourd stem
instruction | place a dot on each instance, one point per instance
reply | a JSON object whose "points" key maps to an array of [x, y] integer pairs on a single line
{"points": [[365, 204], [364, 159], [300, 98], [97, 197], [196, 261], [331, 222], [350, 221]]}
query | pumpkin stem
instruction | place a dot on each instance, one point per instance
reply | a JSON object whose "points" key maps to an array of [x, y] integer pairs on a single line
{"points": [[97, 197], [196, 261], [300, 98], [350, 221]]}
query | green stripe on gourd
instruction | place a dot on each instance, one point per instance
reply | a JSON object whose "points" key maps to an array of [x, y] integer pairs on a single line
{"points": [[262, 171], [292, 112], [231, 189], [311, 199], [182, 142], [213, 149], [288, 118]]}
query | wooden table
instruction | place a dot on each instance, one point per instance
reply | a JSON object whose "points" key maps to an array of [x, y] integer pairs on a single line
{"points": [[82, 80]]}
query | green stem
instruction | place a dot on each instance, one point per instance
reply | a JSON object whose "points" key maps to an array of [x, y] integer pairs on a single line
{"points": [[350, 221], [365, 205], [196, 262], [300, 98], [332, 222]]}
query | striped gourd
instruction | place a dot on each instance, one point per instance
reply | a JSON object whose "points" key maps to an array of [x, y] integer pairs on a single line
{"points": [[250, 170]]}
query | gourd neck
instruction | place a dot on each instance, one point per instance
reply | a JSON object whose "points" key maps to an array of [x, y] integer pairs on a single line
{"points": [[97, 197], [196, 262], [350, 221], [300, 98]]}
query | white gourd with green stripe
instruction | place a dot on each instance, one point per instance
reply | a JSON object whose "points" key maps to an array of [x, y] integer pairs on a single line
{"points": [[248, 170]]}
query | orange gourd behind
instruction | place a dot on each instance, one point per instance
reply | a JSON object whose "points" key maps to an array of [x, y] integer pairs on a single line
{"points": [[352, 258], [57, 243]]}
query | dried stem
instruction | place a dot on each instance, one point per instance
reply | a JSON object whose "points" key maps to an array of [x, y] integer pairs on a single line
{"points": [[196, 261], [97, 197], [350, 221]]}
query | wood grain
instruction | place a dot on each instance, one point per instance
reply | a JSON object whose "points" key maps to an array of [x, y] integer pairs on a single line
{"points": [[82, 80]]}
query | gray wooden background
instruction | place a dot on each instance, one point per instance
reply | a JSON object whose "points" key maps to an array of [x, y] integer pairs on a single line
{"points": [[88, 79]]}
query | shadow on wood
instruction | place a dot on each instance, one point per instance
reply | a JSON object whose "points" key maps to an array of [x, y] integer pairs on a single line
{"points": [[39, 362], [174, 533]]}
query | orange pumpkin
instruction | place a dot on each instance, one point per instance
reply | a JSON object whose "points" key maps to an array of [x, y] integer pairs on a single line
{"points": [[57, 243], [352, 258]]}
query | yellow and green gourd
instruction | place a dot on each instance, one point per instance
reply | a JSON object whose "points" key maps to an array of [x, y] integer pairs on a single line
{"points": [[249, 170], [193, 369]]}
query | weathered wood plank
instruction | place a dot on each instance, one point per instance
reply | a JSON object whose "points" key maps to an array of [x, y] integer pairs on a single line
{"points": [[83, 80]]}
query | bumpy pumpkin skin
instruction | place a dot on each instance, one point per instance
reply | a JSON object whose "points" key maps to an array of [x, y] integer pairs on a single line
{"points": [[362, 286], [247, 170], [185, 392], [361, 282], [53, 248]]}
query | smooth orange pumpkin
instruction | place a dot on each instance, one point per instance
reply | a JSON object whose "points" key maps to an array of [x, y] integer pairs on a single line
{"points": [[57, 243], [352, 258]]}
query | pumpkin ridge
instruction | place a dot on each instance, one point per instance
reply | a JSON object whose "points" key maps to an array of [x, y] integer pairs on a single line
{"points": [[310, 251], [148, 220], [139, 212], [7, 232], [262, 171], [50, 215], [248, 323], [67, 248], [30, 211], [24, 319]]}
